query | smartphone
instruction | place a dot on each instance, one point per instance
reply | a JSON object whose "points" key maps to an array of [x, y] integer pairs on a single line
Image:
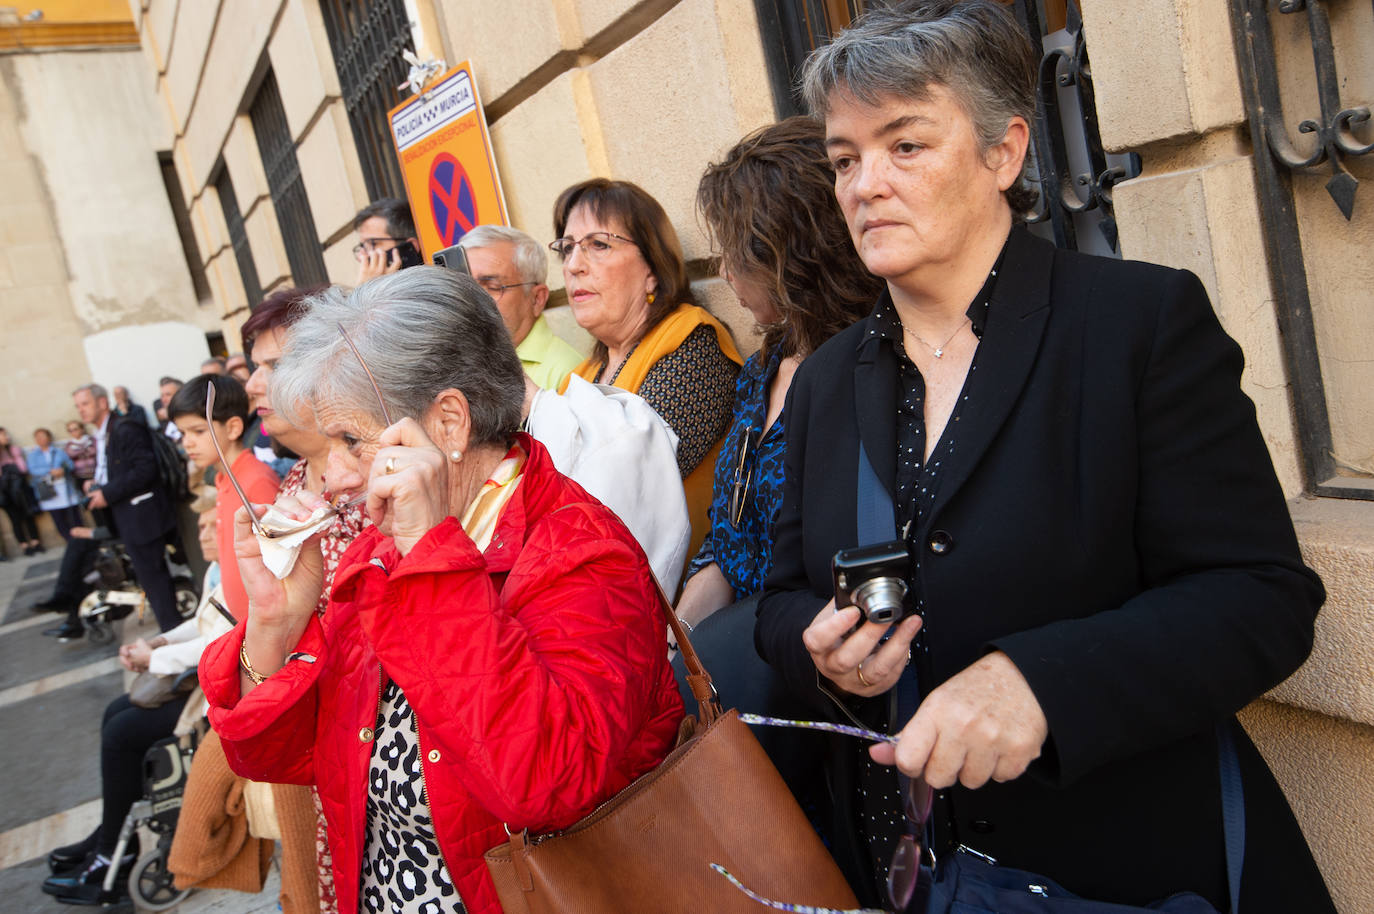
{"points": [[409, 254], [453, 258]]}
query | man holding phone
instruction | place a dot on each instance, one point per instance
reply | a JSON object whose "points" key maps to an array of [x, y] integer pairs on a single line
{"points": [[387, 241]]}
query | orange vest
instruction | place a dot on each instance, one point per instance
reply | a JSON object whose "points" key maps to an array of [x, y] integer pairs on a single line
{"points": [[663, 339]]}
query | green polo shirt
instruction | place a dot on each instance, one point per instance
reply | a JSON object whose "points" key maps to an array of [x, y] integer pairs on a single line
{"points": [[546, 357]]}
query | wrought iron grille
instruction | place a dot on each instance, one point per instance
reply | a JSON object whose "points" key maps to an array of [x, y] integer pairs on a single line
{"points": [[367, 38], [238, 238], [303, 251], [1075, 175], [1276, 159]]}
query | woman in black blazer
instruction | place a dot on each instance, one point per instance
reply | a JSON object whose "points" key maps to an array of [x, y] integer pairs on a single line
{"points": [[1102, 563]]}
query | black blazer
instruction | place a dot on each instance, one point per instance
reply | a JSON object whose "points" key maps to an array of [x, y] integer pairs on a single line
{"points": [[1114, 525], [131, 467]]}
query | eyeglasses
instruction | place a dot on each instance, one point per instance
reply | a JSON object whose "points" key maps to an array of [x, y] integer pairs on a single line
{"points": [[594, 245], [253, 519], [368, 245], [905, 875], [744, 475], [496, 289]]}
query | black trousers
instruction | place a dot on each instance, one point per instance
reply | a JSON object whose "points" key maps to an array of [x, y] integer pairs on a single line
{"points": [[65, 519], [126, 734], [155, 580], [25, 530]]}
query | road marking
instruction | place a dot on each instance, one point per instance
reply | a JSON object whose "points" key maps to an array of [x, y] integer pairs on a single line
{"points": [[48, 618], [35, 839], [24, 692]]}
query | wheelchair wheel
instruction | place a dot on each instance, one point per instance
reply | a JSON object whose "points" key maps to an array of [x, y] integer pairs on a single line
{"points": [[150, 883], [187, 602], [99, 631]]}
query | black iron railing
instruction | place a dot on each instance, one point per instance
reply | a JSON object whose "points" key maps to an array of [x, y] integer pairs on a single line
{"points": [[238, 238], [1276, 158], [278, 150], [367, 38]]}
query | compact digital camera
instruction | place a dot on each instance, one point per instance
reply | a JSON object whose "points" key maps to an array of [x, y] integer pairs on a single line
{"points": [[873, 578]]}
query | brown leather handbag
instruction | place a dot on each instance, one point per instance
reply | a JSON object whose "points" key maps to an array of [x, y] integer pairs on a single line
{"points": [[716, 798]]}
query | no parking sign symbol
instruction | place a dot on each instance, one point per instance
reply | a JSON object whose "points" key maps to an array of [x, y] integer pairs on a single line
{"points": [[451, 199]]}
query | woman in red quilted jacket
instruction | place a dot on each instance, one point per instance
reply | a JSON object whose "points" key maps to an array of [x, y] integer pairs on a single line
{"points": [[493, 655]]}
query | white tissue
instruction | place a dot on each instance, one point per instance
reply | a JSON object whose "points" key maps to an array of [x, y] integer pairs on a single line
{"points": [[279, 552]]}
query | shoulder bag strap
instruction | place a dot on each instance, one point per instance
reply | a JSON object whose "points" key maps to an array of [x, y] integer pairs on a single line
{"points": [[698, 680], [1232, 810], [877, 518]]}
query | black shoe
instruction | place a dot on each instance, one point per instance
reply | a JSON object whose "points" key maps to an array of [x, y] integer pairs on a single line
{"points": [[51, 605], [66, 632], [84, 885], [70, 856]]}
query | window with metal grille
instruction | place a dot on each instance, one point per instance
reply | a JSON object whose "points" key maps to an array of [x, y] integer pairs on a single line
{"points": [[238, 238], [303, 251], [367, 38], [183, 221]]}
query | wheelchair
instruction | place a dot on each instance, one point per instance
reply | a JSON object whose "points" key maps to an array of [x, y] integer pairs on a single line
{"points": [[117, 594], [166, 767]]}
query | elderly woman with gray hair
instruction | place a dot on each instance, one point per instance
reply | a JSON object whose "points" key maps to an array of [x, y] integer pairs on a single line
{"points": [[1093, 564], [493, 655]]}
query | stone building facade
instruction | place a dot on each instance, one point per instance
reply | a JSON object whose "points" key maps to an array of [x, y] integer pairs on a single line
{"points": [[652, 90]]}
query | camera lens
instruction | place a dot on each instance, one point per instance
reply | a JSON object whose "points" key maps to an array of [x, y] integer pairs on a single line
{"points": [[880, 598]]}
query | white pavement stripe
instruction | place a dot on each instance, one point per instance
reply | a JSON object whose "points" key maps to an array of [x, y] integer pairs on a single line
{"points": [[48, 618], [60, 680], [35, 839]]}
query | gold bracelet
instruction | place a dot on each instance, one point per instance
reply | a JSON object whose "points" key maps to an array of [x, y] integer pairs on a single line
{"points": [[258, 678]]}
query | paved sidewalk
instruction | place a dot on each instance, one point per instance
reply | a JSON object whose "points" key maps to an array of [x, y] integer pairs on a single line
{"points": [[52, 697]]}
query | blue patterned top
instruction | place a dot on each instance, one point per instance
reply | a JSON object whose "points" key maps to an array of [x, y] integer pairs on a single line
{"points": [[742, 546]]}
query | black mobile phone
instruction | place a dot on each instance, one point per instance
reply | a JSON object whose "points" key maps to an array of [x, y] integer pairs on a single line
{"points": [[410, 255], [453, 258], [873, 578]]}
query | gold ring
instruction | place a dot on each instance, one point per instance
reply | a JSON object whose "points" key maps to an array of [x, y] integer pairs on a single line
{"points": [[390, 466], [860, 671]]}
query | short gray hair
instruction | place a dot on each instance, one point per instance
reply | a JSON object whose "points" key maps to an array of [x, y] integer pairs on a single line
{"points": [[421, 331], [531, 261], [95, 390], [973, 48]]}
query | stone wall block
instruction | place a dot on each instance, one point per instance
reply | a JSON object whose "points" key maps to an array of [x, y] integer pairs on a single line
{"points": [[336, 191], [1322, 764], [303, 63], [264, 239], [1206, 220], [665, 115], [1337, 538], [157, 25], [1171, 58], [716, 296], [185, 56], [503, 49], [230, 66], [244, 162], [339, 264], [563, 324], [540, 149]]}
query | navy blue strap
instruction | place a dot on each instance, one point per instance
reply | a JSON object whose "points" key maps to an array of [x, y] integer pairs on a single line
{"points": [[877, 516], [1232, 810]]}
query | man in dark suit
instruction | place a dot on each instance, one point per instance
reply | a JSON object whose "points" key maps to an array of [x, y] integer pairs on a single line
{"points": [[126, 408], [127, 482]]}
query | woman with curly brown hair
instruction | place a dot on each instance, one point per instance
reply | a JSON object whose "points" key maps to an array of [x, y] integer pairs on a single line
{"points": [[784, 248]]}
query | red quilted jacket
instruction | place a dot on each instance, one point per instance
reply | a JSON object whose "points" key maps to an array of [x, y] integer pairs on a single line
{"points": [[537, 673]]}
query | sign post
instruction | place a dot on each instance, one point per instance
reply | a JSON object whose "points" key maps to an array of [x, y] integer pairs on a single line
{"points": [[446, 159]]}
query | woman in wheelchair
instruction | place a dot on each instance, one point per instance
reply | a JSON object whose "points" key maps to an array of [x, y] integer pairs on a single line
{"points": [[129, 729]]}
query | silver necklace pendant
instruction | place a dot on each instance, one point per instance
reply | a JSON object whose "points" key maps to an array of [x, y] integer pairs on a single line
{"points": [[939, 353]]}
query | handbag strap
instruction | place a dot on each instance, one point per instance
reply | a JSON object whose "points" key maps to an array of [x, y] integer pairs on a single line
{"points": [[698, 680], [1232, 810], [877, 523]]}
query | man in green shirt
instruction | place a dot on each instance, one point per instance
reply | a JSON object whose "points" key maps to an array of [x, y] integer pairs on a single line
{"points": [[512, 267]]}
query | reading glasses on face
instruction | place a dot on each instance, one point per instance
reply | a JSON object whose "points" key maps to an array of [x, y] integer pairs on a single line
{"points": [[594, 245]]}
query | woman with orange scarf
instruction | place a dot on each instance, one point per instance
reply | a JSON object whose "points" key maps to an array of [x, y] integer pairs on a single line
{"points": [[627, 285]]}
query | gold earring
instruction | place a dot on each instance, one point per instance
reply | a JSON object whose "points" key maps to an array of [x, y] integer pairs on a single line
{"points": [[651, 298], [455, 455]]}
